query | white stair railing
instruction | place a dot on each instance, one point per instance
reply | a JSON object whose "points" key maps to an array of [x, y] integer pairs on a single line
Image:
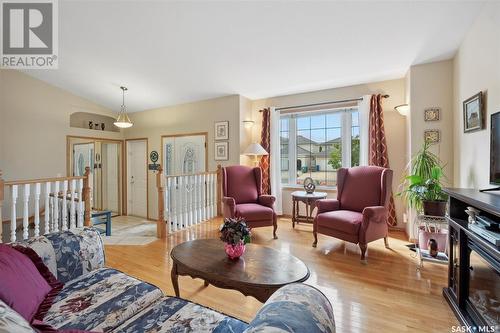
{"points": [[63, 202], [186, 200]]}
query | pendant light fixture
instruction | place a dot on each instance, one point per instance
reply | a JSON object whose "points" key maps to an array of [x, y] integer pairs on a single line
{"points": [[123, 121]]}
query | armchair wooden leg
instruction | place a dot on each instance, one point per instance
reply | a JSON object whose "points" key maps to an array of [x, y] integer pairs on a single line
{"points": [[275, 227], [315, 243], [363, 248], [386, 242]]}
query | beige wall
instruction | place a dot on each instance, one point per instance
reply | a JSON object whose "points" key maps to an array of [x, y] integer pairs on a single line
{"points": [[430, 85], [476, 68], [34, 122], [394, 123], [187, 118], [245, 133]]}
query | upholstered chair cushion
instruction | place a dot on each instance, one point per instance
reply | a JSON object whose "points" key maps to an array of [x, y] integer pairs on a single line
{"points": [[241, 184], [254, 212], [353, 184], [342, 220]]}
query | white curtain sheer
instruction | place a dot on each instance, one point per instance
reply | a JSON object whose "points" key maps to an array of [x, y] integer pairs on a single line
{"points": [[275, 160], [364, 129]]}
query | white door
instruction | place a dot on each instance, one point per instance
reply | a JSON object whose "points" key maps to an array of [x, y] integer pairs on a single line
{"points": [[184, 154], [137, 178]]}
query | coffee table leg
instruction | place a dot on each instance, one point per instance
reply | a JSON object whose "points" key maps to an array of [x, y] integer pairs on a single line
{"points": [[175, 279], [206, 283]]}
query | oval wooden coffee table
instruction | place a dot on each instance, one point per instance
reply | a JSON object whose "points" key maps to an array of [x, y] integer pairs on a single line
{"points": [[258, 273]]}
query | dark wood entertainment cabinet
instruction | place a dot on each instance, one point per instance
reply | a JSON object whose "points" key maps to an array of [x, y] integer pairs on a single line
{"points": [[473, 290]]}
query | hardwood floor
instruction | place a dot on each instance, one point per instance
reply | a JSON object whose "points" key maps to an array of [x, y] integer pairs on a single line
{"points": [[387, 295]]}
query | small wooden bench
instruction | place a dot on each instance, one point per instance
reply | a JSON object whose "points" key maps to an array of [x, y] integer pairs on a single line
{"points": [[100, 218]]}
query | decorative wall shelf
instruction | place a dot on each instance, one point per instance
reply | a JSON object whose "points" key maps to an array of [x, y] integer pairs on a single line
{"points": [[93, 121]]}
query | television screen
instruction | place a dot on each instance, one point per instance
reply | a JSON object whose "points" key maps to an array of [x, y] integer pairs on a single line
{"points": [[495, 149]]}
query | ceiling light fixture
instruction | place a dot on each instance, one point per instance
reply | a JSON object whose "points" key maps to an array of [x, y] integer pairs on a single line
{"points": [[123, 121]]}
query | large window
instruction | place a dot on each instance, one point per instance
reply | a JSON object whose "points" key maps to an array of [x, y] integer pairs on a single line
{"points": [[316, 144]]}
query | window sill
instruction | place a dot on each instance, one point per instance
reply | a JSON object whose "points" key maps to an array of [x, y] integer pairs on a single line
{"points": [[300, 187]]}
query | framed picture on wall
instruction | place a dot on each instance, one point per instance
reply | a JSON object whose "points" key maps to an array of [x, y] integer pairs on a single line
{"points": [[222, 130], [221, 151], [432, 136], [473, 113]]}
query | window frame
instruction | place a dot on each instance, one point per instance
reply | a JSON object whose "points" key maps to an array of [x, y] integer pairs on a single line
{"points": [[346, 140]]}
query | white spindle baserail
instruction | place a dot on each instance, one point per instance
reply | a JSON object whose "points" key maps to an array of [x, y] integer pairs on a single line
{"points": [[13, 215], [80, 203], [64, 206], [55, 216], [37, 209], [72, 213], [26, 213], [46, 228], [189, 200]]}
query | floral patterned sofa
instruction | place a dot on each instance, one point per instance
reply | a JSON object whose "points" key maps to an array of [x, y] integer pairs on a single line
{"points": [[100, 299]]}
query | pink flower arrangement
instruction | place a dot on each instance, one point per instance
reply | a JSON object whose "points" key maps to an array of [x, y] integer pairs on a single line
{"points": [[235, 234]]}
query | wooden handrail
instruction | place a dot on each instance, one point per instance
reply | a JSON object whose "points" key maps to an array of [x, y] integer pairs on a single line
{"points": [[40, 180], [192, 174]]}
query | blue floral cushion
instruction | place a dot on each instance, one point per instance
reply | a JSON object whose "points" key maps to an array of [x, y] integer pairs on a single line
{"points": [[296, 307], [100, 301], [69, 254], [172, 314]]}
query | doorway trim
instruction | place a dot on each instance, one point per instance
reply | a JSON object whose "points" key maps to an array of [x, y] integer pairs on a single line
{"points": [[95, 138], [125, 188], [185, 134]]}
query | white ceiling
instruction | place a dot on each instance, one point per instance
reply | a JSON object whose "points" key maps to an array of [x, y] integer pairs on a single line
{"points": [[168, 53]]}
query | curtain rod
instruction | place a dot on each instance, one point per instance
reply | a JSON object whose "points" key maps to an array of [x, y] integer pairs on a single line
{"points": [[324, 103]]}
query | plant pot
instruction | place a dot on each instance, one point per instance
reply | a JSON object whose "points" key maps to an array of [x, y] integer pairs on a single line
{"points": [[434, 208], [234, 252]]}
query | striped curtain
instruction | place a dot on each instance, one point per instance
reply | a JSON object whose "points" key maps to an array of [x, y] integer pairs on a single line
{"points": [[378, 146], [265, 142]]}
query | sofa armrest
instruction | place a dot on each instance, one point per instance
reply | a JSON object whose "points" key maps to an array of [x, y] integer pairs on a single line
{"points": [[327, 205], [69, 254], [228, 207], [267, 200], [296, 307], [376, 214]]}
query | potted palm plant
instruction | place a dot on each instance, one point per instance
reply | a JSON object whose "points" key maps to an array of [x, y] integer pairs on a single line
{"points": [[422, 189]]}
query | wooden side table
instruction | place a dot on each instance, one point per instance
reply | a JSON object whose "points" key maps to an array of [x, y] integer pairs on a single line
{"points": [[310, 200]]}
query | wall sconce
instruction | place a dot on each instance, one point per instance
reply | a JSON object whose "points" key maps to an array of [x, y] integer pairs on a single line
{"points": [[402, 109], [248, 123]]}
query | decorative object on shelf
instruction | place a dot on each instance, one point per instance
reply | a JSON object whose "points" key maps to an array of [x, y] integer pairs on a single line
{"points": [[91, 124], [432, 114], [473, 214], [123, 121], [255, 150], [222, 130], [235, 234], [422, 188], [309, 186], [97, 126], [473, 113], [103, 126], [432, 136], [221, 151], [402, 109]]}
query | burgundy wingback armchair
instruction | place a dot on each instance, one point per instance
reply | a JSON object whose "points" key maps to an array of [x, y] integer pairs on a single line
{"points": [[359, 214], [242, 197]]}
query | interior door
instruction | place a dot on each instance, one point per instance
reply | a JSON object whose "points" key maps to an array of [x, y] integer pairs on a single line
{"points": [[137, 178], [184, 154]]}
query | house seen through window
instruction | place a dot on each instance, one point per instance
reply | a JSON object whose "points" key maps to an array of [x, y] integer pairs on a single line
{"points": [[316, 144]]}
